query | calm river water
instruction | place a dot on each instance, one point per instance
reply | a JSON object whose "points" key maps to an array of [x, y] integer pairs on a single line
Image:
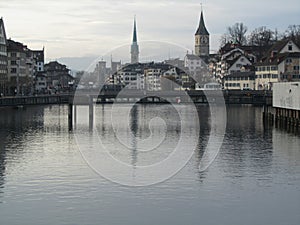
{"points": [[44, 178]]}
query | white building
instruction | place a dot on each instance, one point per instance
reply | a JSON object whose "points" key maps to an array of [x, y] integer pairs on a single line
{"points": [[152, 79], [282, 63], [239, 81]]}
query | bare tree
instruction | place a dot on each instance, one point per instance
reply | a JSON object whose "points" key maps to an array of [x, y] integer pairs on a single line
{"points": [[224, 39], [262, 37], [237, 33], [293, 32]]}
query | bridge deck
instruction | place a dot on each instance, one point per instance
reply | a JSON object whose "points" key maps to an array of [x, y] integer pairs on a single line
{"points": [[230, 97]]}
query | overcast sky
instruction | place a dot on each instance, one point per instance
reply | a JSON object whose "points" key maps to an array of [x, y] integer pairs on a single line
{"points": [[72, 28]]}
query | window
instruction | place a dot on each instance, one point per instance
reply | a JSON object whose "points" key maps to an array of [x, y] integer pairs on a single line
{"points": [[288, 60], [273, 67], [296, 67], [290, 47], [13, 70]]}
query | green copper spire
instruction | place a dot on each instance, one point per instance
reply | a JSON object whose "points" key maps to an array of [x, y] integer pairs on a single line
{"points": [[134, 31]]}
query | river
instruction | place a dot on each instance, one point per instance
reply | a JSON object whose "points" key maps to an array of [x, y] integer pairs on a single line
{"points": [[45, 178]]}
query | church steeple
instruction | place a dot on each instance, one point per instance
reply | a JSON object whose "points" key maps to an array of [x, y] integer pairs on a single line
{"points": [[134, 39], [202, 39], [201, 29], [134, 46]]}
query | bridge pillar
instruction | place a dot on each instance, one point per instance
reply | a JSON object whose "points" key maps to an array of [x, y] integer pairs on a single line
{"points": [[91, 113], [70, 116], [75, 115]]}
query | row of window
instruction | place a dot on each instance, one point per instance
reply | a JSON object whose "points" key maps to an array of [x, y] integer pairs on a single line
{"points": [[3, 71], [274, 76], [295, 76], [130, 78], [232, 84], [266, 68], [3, 48], [196, 68], [239, 78]]}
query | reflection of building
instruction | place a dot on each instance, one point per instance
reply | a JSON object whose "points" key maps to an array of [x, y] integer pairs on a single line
{"points": [[281, 63], [3, 59]]}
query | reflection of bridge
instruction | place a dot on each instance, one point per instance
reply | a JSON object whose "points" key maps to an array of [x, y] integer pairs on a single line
{"points": [[197, 96], [130, 96]]}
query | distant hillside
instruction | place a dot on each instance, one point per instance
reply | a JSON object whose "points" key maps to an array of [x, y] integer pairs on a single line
{"points": [[76, 63]]}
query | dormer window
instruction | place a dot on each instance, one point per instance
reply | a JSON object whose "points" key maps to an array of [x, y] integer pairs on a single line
{"points": [[288, 60]]}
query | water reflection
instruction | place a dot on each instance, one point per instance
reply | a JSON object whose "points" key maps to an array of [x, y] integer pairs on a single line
{"points": [[247, 146], [138, 138], [134, 130], [2, 166], [256, 174]]}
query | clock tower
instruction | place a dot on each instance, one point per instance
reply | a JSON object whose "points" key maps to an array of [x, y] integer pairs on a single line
{"points": [[202, 39]]}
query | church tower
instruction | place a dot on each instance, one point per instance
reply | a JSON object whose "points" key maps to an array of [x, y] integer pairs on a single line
{"points": [[202, 39], [134, 46]]}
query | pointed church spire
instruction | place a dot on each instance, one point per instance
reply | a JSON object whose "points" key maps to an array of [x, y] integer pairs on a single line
{"points": [[134, 31], [201, 29], [134, 46]]}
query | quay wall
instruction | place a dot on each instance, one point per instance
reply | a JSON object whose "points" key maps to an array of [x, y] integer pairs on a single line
{"points": [[285, 110]]}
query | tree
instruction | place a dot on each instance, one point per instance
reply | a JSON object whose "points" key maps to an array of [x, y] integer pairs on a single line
{"points": [[262, 37], [293, 32], [237, 33]]}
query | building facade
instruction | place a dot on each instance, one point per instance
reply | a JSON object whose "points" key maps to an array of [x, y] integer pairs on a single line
{"points": [[3, 60], [20, 68], [281, 63], [58, 77], [239, 81]]}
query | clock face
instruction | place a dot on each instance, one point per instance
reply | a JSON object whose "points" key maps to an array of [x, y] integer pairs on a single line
{"points": [[204, 40]]}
